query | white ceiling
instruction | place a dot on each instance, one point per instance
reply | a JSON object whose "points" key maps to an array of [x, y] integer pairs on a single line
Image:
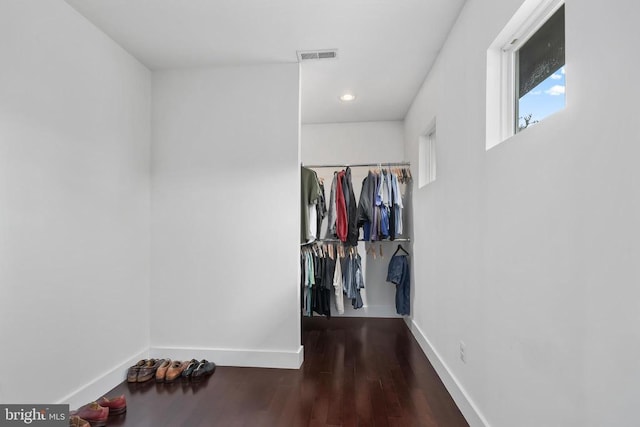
{"points": [[385, 47]]}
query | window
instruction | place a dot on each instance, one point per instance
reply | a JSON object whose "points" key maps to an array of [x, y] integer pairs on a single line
{"points": [[526, 70], [540, 75], [427, 153]]}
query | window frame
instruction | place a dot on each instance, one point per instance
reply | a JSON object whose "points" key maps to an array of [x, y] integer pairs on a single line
{"points": [[502, 67], [512, 50], [427, 155]]}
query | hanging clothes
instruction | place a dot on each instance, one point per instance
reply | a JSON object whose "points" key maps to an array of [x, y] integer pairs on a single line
{"points": [[309, 194], [353, 279], [323, 273], [338, 286], [307, 281], [352, 211], [321, 294], [399, 274], [342, 222], [384, 207], [342, 210], [380, 206], [312, 232], [382, 220], [365, 206], [398, 206], [328, 280], [316, 291], [321, 208], [374, 207], [332, 210]]}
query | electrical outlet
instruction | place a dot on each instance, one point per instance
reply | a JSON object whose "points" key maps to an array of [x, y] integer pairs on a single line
{"points": [[463, 355]]}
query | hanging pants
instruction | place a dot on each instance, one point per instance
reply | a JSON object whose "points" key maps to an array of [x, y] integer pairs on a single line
{"points": [[400, 275]]}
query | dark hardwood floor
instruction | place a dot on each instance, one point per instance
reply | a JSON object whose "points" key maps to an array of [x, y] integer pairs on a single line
{"points": [[357, 372]]}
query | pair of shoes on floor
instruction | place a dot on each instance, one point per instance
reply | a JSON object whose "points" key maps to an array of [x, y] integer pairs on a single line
{"points": [[161, 372], [95, 414], [197, 370], [144, 370], [171, 371], [91, 413], [117, 405]]}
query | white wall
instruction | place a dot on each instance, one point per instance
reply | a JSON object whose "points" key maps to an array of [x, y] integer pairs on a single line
{"points": [[358, 142], [225, 201], [528, 252], [74, 206], [349, 143]]}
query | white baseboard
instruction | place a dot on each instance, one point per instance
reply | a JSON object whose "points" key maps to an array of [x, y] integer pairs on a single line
{"points": [[98, 387], [468, 408], [222, 357], [234, 357]]}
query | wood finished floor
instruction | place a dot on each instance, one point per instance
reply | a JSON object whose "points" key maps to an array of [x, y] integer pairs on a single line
{"points": [[357, 372]]}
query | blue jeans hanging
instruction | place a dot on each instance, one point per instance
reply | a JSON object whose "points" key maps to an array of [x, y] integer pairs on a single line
{"points": [[400, 274]]}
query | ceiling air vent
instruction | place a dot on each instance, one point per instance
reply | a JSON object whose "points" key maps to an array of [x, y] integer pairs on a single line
{"points": [[305, 55]]}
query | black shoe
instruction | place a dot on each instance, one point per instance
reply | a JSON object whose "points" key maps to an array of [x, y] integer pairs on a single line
{"points": [[190, 368], [205, 368]]}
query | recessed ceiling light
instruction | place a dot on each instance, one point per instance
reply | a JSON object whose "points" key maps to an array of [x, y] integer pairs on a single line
{"points": [[347, 97]]}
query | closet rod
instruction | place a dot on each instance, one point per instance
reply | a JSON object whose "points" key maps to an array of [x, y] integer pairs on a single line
{"points": [[360, 165], [361, 240]]}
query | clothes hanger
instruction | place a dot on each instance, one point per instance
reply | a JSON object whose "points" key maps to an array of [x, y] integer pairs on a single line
{"points": [[400, 248], [367, 249]]}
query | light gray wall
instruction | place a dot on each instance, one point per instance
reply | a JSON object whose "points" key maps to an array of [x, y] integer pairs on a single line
{"points": [[225, 202], [529, 252], [74, 206], [357, 142]]}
